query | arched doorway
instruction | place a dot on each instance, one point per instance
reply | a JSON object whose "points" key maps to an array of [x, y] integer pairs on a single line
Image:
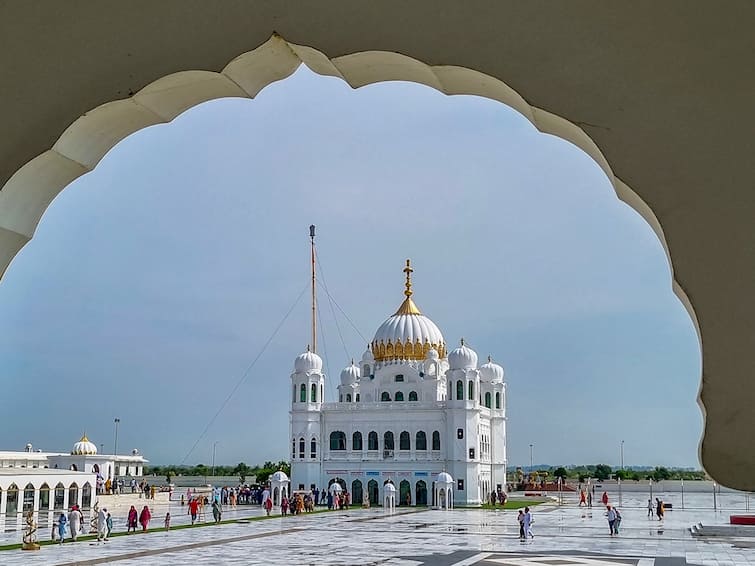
{"points": [[356, 492], [60, 494], [405, 493], [44, 497], [373, 492], [95, 469], [340, 482], [28, 501], [435, 503], [73, 495], [86, 496], [421, 493], [11, 505]]}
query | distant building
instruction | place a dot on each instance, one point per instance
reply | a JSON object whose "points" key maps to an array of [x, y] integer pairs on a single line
{"points": [[406, 412], [40, 481]]}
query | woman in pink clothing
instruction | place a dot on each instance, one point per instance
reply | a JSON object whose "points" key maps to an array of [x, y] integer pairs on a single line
{"points": [[144, 518]]}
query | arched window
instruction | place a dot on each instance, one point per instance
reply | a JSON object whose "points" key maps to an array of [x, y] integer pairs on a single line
{"points": [[372, 441], [412, 395], [357, 399], [28, 501], [293, 396], [86, 496], [399, 395], [12, 500], [73, 494], [303, 393], [301, 448], [421, 441], [487, 399], [340, 398], [356, 441], [60, 493], [497, 399], [436, 440], [388, 441], [74, 468], [366, 370], [44, 497], [348, 397], [460, 390], [313, 393], [337, 440], [471, 390], [313, 448], [385, 396], [403, 441], [293, 448]]}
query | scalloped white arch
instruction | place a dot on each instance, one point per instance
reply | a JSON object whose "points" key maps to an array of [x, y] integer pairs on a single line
{"points": [[26, 195]]}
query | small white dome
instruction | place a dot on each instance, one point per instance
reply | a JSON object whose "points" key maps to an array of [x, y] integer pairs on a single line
{"points": [[335, 487], [444, 477], [432, 354], [350, 374], [492, 372], [84, 448], [307, 361], [389, 488], [279, 476], [367, 357], [462, 357]]}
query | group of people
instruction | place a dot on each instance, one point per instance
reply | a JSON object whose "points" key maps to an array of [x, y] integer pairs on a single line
{"points": [[498, 497], [525, 524], [143, 517], [658, 507]]}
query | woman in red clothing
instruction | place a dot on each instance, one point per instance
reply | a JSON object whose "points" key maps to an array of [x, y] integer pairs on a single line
{"points": [[144, 518]]}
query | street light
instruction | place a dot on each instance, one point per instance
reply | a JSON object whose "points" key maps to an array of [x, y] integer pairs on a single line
{"points": [[214, 445], [531, 464], [622, 454]]}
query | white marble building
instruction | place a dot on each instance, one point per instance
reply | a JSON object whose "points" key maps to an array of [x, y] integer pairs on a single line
{"points": [[406, 412], [47, 481]]}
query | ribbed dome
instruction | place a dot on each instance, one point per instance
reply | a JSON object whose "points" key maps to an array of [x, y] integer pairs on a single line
{"points": [[350, 374], [444, 477], [307, 361], [389, 488], [279, 476], [432, 354], [408, 334], [492, 372], [84, 448], [462, 357], [367, 357]]}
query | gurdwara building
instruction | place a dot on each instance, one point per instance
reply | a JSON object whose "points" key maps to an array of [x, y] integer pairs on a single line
{"points": [[408, 411]]}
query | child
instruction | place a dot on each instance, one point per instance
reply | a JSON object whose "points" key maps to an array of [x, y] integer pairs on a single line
{"points": [[167, 521], [109, 522], [62, 520]]}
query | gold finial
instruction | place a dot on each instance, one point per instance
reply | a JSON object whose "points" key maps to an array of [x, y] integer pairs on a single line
{"points": [[489, 358], [308, 348], [408, 270], [462, 341]]}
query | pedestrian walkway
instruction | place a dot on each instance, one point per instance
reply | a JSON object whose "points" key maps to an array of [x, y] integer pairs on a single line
{"points": [[564, 536]]}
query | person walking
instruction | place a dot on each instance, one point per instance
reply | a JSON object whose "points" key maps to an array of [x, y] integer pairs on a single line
{"points": [[144, 518], [589, 499], [611, 516], [193, 509], [74, 522], [616, 523], [109, 523], [284, 506], [659, 509], [102, 525], [582, 498], [132, 519], [216, 511], [604, 498], [650, 507], [268, 505], [520, 519], [528, 521], [62, 520], [167, 521]]}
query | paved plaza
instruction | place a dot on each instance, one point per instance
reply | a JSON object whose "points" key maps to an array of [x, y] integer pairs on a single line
{"points": [[564, 536]]}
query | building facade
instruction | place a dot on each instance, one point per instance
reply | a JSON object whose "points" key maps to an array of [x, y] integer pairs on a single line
{"points": [[406, 412]]}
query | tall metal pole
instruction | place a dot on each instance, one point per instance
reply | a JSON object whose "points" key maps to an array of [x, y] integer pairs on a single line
{"points": [[314, 294], [622, 454], [117, 421], [531, 464], [214, 445]]}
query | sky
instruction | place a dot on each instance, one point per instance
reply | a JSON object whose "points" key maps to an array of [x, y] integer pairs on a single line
{"points": [[167, 287]]}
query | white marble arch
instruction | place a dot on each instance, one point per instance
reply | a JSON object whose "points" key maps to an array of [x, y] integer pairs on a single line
{"points": [[41, 484]]}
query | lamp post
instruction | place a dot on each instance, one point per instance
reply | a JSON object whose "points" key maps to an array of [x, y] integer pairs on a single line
{"points": [[622, 454], [214, 445], [117, 421], [531, 460]]}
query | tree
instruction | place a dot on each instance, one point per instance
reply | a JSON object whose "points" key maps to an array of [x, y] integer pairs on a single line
{"points": [[602, 472], [560, 472], [661, 473], [242, 470]]}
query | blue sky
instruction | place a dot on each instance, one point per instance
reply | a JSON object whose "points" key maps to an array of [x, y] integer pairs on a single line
{"points": [[153, 282]]}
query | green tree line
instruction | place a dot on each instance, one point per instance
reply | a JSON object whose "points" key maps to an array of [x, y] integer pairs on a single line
{"points": [[258, 473], [603, 472]]}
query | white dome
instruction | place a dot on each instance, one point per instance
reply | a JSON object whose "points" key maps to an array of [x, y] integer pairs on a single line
{"points": [[84, 448], [279, 476], [432, 354], [350, 374], [444, 477], [462, 357], [336, 487], [367, 357], [491, 372], [308, 361], [389, 488]]}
